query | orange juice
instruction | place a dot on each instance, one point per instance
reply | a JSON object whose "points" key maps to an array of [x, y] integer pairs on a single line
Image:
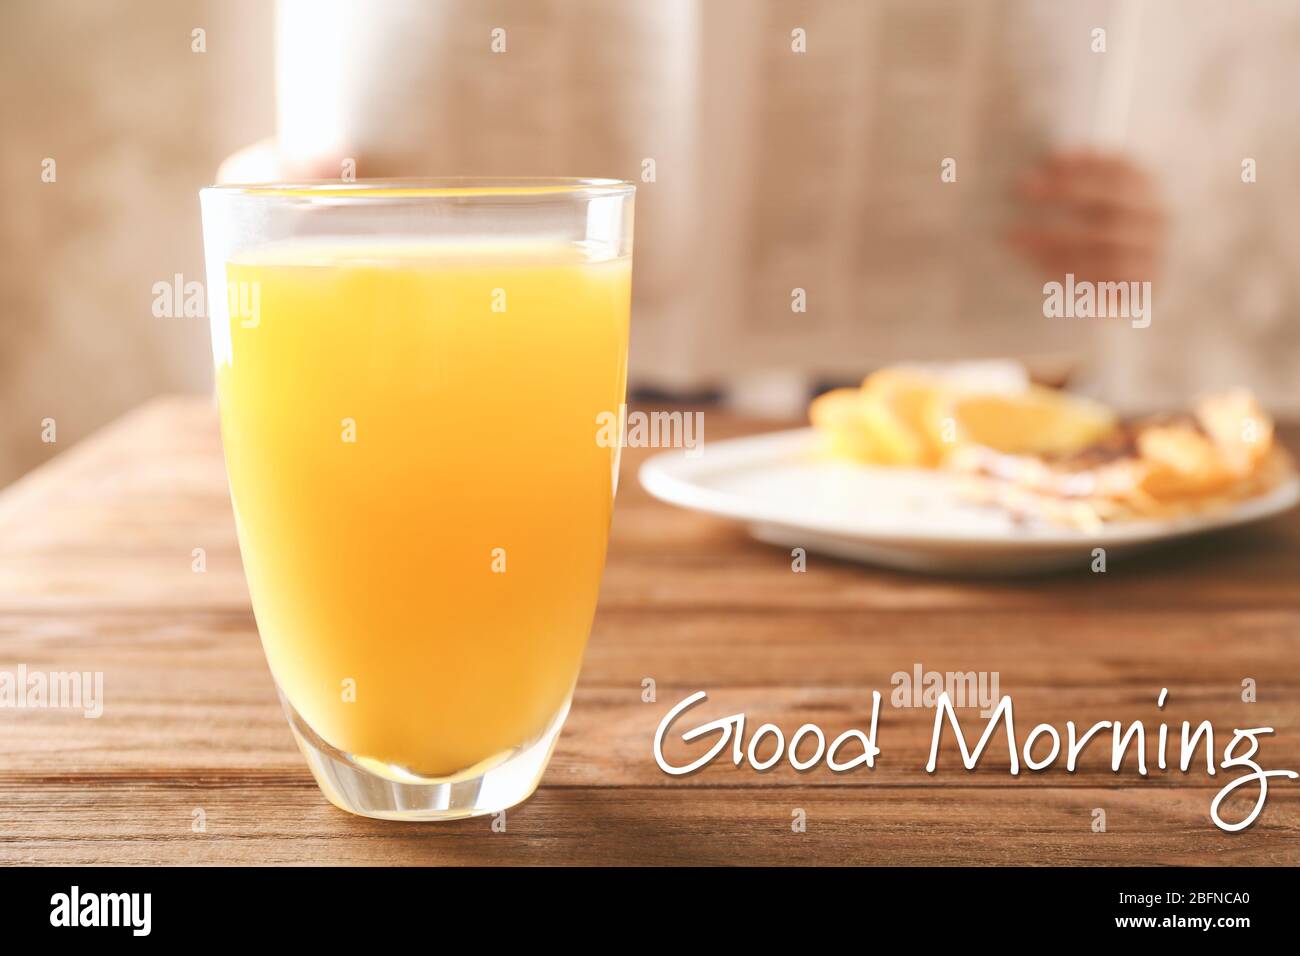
{"points": [[421, 497]]}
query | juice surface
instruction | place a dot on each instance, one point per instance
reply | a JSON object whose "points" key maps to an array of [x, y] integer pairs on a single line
{"points": [[443, 563]]}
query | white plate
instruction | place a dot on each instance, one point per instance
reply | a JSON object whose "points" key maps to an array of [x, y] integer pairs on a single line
{"points": [[899, 517]]}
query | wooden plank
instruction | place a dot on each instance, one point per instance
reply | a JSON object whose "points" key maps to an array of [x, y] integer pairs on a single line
{"points": [[194, 694], [1134, 651], [255, 821], [115, 522]]}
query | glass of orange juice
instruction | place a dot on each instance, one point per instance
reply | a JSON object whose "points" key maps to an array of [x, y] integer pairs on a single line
{"points": [[412, 377]]}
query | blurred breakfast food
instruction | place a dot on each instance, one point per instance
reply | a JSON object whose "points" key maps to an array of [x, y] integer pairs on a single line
{"points": [[1042, 453]]}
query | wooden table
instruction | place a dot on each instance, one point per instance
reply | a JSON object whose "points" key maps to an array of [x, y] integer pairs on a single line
{"points": [[192, 761]]}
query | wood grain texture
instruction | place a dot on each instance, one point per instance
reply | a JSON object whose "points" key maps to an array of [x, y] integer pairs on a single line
{"points": [[95, 574]]}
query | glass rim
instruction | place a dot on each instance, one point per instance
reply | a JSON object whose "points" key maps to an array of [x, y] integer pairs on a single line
{"points": [[455, 188]]}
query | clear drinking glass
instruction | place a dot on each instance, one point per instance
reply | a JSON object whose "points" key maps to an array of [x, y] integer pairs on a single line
{"points": [[413, 378]]}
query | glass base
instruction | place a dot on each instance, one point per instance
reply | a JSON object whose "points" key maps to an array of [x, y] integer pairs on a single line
{"points": [[396, 794]]}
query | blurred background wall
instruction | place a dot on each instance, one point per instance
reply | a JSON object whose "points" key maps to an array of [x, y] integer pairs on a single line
{"points": [[135, 122], [774, 170]]}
